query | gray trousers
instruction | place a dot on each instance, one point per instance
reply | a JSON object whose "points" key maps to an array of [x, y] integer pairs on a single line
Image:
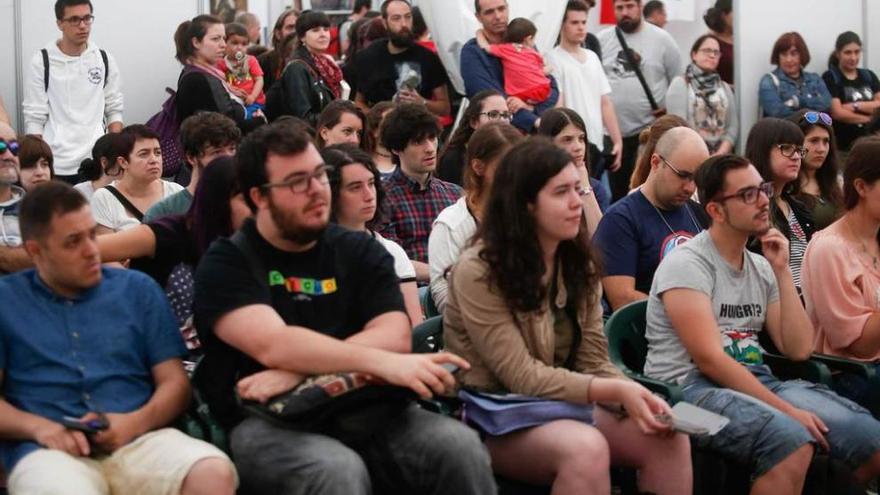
{"points": [[420, 452]]}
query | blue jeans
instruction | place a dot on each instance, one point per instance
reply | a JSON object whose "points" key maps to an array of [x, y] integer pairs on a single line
{"points": [[761, 436], [420, 452]]}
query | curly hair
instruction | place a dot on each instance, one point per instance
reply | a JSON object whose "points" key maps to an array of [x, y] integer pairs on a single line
{"points": [[339, 156], [509, 234]]}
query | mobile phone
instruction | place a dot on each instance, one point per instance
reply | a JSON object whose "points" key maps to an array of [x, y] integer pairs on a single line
{"points": [[91, 426]]}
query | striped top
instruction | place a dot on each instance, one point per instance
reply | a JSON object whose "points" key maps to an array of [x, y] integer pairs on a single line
{"points": [[797, 243]]}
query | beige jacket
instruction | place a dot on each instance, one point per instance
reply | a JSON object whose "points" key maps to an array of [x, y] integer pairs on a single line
{"points": [[513, 352]]}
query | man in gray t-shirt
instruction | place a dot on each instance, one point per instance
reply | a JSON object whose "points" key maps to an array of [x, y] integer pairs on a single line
{"points": [[709, 300], [659, 60]]}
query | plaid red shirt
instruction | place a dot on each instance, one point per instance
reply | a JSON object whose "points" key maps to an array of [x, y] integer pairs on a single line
{"points": [[412, 210]]}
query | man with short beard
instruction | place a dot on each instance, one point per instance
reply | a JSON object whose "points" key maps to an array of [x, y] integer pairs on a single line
{"points": [[310, 299], [12, 255], [658, 57], [400, 69]]}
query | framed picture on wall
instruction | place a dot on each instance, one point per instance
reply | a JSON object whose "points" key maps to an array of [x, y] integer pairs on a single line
{"points": [[226, 9]]}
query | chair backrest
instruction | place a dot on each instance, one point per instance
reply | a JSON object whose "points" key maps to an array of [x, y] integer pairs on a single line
{"points": [[625, 330], [427, 336], [428, 306]]}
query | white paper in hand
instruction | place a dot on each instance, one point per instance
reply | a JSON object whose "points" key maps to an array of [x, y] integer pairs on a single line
{"points": [[693, 420]]}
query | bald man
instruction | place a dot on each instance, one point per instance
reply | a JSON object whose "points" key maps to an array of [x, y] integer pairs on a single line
{"points": [[12, 255], [643, 227]]}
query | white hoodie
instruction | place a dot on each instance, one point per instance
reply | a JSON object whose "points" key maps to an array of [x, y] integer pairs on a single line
{"points": [[72, 116]]}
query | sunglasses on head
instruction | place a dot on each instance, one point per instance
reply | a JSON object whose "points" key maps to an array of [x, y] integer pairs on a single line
{"points": [[814, 117], [11, 145]]}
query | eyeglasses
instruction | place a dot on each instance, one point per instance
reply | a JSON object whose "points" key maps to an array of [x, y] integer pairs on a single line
{"points": [[685, 176], [76, 20], [301, 183], [11, 145], [710, 51], [496, 115], [789, 150], [750, 194], [814, 117]]}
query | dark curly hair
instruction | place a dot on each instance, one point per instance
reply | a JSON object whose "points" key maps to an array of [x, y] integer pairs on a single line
{"points": [[508, 232], [408, 123]]}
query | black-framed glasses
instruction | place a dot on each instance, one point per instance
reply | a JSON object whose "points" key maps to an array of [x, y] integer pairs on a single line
{"points": [[815, 117], [495, 115], [76, 20], [302, 182], [790, 150], [11, 145], [750, 194], [685, 176]]}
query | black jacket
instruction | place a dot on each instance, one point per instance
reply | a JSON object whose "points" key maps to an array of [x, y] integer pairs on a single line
{"points": [[301, 92]]}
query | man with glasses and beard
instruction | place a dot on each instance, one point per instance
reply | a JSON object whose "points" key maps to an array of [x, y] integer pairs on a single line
{"points": [[655, 54], [12, 255], [709, 300], [400, 69], [73, 91], [291, 296]]}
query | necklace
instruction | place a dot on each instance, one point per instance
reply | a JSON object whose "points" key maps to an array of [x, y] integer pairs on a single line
{"points": [[874, 260], [671, 230]]}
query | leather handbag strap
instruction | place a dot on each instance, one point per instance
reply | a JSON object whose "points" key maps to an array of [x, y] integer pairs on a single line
{"points": [[138, 214], [629, 58]]}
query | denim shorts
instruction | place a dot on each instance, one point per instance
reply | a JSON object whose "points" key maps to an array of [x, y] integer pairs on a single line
{"points": [[761, 436]]}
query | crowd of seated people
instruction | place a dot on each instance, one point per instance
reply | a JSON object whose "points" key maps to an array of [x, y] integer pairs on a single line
{"points": [[304, 213]]}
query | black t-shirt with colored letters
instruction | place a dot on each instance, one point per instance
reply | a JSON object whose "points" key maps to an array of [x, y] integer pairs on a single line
{"points": [[335, 288]]}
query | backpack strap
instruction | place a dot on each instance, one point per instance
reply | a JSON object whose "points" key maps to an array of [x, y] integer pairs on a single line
{"points": [[138, 214], [106, 65], [45, 54]]}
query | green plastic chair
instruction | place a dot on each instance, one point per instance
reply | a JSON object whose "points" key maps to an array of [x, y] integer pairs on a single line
{"points": [[627, 348], [427, 336]]}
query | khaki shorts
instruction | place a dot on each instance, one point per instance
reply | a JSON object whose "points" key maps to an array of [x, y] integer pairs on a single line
{"points": [[154, 464]]}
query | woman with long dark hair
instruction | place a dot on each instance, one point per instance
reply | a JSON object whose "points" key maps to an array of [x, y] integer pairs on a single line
{"points": [[484, 107], [567, 129], [776, 147], [819, 187], [358, 203], [283, 37], [311, 80], [702, 98], [855, 92], [524, 309], [455, 226], [373, 138]]}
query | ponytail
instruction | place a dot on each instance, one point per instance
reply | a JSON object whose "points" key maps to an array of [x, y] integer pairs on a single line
{"points": [[187, 30]]}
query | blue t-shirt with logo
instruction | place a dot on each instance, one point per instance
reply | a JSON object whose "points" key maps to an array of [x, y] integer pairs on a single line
{"points": [[633, 237]]}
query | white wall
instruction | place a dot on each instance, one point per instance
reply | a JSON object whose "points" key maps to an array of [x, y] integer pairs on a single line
{"points": [[138, 34], [758, 24], [7, 59], [871, 40]]}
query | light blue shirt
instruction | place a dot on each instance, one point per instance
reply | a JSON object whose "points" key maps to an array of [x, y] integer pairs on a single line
{"points": [[66, 357]]}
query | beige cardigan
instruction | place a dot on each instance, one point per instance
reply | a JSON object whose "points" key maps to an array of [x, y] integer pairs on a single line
{"points": [[513, 352]]}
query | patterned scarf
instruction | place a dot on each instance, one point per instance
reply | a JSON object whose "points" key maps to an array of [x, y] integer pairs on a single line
{"points": [[709, 104], [330, 72]]}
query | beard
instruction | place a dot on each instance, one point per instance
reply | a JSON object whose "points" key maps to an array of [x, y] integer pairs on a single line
{"points": [[291, 230], [402, 39], [628, 25]]}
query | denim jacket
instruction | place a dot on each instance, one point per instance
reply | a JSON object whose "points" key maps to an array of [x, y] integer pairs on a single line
{"points": [[788, 96]]}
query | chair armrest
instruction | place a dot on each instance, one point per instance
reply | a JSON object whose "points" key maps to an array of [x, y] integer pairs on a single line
{"points": [[847, 365], [787, 369], [670, 391]]}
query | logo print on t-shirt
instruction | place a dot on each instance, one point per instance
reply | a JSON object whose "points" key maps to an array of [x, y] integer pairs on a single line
{"points": [[672, 241], [299, 285], [742, 345], [622, 68], [96, 75]]}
